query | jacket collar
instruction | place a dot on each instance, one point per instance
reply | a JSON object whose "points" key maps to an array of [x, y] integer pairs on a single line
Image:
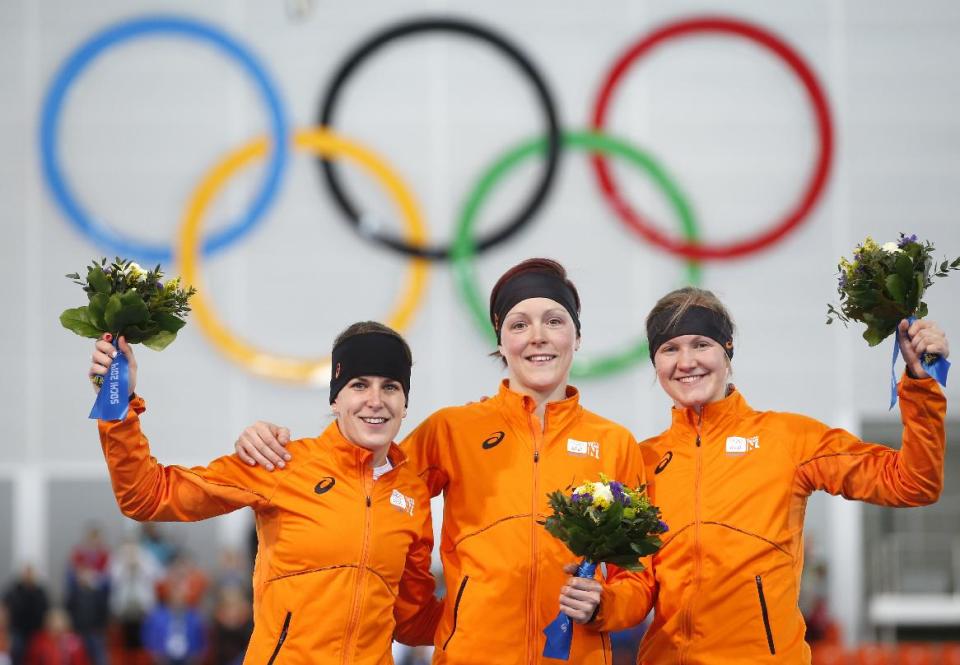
{"points": [[349, 455], [558, 414], [715, 415]]}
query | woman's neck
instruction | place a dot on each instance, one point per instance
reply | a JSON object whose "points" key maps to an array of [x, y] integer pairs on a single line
{"points": [[540, 397], [379, 456]]}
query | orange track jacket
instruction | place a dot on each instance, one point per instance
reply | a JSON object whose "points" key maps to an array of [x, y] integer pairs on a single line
{"points": [[343, 561], [495, 465], [733, 487]]}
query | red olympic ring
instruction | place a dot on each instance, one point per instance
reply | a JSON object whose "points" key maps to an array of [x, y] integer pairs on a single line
{"points": [[818, 177]]}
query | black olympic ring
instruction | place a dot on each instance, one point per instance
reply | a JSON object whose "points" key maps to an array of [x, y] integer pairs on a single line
{"points": [[329, 169]]}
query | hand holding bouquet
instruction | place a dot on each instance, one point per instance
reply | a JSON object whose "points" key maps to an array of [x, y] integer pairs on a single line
{"points": [[124, 300], [601, 522], [883, 285]]}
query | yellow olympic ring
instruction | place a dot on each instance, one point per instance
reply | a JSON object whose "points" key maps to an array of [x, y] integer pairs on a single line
{"points": [[327, 144]]}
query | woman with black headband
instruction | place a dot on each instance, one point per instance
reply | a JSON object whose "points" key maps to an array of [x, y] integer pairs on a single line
{"points": [[495, 461], [733, 483], [344, 534]]}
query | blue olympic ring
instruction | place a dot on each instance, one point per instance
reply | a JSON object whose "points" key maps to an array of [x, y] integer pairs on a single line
{"points": [[125, 31]]}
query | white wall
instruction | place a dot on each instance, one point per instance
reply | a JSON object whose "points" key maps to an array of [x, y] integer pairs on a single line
{"points": [[148, 119]]}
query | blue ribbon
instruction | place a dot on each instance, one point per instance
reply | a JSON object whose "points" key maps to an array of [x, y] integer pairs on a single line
{"points": [[937, 369], [560, 631], [114, 396]]}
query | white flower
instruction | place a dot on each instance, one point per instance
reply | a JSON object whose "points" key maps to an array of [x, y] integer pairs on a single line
{"points": [[891, 248], [602, 496]]}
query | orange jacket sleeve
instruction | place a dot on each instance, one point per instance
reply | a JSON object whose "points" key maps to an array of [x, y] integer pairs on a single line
{"points": [[425, 451], [838, 462], [626, 597], [147, 490], [416, 610]]}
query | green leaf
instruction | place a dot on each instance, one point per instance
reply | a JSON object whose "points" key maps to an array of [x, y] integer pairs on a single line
{"points": [[139, 333], [874, 336], [168, 322], [897, 288], [98, 280], [160, 341], [904, 267], [125, 309], [77, 320], [921, 286], [96, 309]]}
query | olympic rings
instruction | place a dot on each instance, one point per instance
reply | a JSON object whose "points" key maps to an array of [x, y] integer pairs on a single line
{"points": [[467, 29], [464, 248], [129, 30], [818, 177], [328, 144]]}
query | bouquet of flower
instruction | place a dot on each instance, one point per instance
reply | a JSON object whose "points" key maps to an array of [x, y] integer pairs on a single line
{"points": [[125, 300], [601, 522], [884, 284]]}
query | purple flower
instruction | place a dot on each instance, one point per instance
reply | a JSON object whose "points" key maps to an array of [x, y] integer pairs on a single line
{"points": [[843, 280], [159, 285], [616, 489], [906, 240], [585, 498], [663, 527]]}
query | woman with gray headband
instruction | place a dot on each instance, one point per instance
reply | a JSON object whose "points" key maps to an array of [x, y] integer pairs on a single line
{"points": [[495, 461], [733, 482]]}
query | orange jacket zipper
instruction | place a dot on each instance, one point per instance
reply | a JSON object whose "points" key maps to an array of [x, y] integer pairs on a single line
{"points": [[532, 656], [697, 563], [349, 644]]}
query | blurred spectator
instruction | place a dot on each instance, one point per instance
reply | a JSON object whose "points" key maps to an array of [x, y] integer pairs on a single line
{"points": [[92, 554], [174, 632], [134, 574], [56, 644], [232, 626], [88, 605], [814, 607], [233, 571], [27, 604], [185, 572], [153, 540], [5, 642]]}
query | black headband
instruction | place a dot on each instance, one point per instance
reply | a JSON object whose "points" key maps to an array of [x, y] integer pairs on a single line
{"points": [[369, 354], [532, 285], [695, 320]]}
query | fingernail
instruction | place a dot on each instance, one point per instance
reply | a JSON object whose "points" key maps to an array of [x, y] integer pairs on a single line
{"points": [[287, 457], [113, 354], [281, 464], [269, 467], [108, 337]]}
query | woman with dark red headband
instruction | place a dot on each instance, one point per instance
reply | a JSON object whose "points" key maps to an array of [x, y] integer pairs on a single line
{"points": [[494, 461], [344, 535], [733, 484]]}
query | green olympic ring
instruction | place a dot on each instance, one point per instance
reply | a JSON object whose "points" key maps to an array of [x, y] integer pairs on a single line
{"points": [[464, 249]]}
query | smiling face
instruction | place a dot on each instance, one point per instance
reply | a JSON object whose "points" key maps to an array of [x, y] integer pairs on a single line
{"points": [[538, 339], [693, 370], [369, 411]]}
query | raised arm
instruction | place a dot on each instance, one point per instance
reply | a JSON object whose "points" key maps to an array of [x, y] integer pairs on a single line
{"points": [[838, 462], [147, 490]]}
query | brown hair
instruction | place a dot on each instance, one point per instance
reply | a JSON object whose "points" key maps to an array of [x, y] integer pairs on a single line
{"points": [[548, 266], [365, 327], [679, 301]]}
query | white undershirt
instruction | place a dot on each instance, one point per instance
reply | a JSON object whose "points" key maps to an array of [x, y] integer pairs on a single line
{"points": [[382, 469]]}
